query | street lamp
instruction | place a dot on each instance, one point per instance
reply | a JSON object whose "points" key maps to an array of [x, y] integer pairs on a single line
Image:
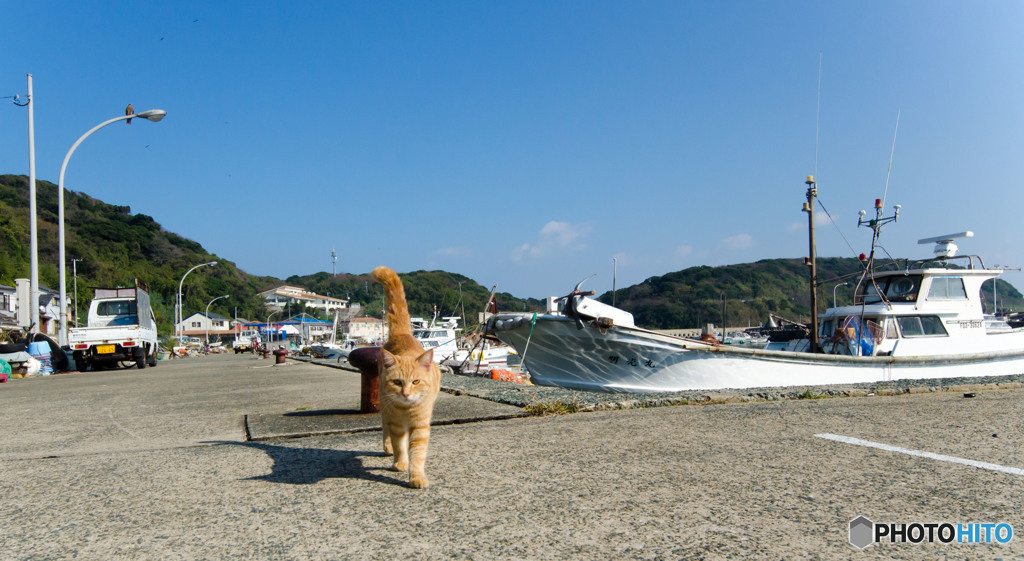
{"points": [[178, 328], [208, 317], [268, 324], [151, 115], [834, 302]]}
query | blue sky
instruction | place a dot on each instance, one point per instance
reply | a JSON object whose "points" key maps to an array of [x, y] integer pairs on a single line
{"points": [[529, 143]]}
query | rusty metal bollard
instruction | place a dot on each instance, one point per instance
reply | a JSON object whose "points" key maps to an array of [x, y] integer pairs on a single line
{"points": [[280, 354], [365, 359]]}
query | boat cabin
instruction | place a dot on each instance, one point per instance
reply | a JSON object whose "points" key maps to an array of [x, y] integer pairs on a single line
{"points": [[929, 306]]}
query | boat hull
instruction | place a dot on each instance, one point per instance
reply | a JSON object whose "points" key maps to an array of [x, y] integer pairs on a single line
{"points": [[627, 359]]}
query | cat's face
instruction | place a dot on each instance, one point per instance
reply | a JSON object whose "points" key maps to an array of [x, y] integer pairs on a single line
{"points": [[408, 380]]}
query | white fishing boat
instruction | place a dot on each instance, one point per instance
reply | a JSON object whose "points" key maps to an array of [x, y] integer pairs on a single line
{"points": [[924, 320], [441, 336], [481, 358], [745, 340], [331, 349]]}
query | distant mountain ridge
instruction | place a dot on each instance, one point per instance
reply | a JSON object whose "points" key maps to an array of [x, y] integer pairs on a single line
{"points": [[694, 296], [116, 246]]}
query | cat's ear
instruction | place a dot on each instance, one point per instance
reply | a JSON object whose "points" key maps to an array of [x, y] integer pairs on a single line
{"points": [[426, 359], [387, 358]]}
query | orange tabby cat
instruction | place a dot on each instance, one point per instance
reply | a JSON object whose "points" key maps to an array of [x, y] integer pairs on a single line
{"points": [[409, 382]]}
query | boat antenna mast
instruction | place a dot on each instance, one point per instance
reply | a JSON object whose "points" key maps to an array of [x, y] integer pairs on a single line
{"points": [[875, 224]]}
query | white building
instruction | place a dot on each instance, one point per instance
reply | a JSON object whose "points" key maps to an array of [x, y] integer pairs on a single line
{"points": [[8, 309], [367, 330], [278, 299], [201, 323]]}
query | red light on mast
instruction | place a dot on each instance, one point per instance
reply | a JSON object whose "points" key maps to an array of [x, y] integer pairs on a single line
{"points": [[878, 203]]}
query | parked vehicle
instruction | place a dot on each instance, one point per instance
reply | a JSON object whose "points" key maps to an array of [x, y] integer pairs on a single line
{"points": [[245, 342], [121, 328]]}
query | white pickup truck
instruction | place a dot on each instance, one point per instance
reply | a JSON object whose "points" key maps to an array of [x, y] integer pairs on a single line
{"points": [[121, 328], [245, 342]]}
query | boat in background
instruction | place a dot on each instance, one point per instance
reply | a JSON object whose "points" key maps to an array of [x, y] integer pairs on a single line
{"points": [[442, 337], [924, 319]]}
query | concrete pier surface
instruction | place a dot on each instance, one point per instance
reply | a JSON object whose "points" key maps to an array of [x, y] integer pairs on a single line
{"points": [[231, 456]]}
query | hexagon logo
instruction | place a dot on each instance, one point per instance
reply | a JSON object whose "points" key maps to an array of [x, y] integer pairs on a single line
{"points": [[862, 532]]}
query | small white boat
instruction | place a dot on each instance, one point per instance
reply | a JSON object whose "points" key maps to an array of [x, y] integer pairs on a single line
{"points": [[442, 337], [924, 320], [330, 351], [490, 356], [745, 340]]}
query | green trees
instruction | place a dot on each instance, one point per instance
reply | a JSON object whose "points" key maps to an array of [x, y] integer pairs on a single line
{"points": [[116, 247]]}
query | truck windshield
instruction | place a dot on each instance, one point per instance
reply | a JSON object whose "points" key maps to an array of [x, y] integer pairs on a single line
{"points": [[117, 308]]}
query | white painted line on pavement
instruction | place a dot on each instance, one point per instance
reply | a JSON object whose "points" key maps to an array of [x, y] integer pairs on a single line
{"points": [[921, 454]]}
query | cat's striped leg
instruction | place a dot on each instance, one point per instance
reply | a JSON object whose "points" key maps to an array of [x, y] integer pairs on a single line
{"points": [[420, 437]]}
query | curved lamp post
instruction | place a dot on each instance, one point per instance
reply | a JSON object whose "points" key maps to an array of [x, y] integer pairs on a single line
{"points": [[178, 328], [208, 317], [834, 303], [268, 324], [151, 115]]}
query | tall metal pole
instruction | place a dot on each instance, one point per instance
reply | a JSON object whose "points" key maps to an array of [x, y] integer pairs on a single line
{"points": [[615, 272], [33, 219], [74, 275], [154, 115], [812, 192], [208, 317], [178, 328], [723, 318], [835, 303]]}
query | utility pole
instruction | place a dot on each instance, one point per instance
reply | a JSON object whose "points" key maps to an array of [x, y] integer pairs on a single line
{"points": [[74, 274], [32, 213], [812, 192]]}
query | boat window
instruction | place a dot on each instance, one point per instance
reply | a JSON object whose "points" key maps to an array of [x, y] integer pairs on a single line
{"points": [[896, 289], [116, 308], [922, 326], [903, 289], [947, 288], [827, 328]]}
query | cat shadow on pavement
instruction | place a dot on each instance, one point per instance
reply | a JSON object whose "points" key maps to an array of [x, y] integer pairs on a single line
{"points": [[306, 466]]}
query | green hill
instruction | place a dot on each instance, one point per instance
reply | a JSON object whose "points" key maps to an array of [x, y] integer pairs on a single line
{"points": [[116, 246], [451, 293], [694, 296]]}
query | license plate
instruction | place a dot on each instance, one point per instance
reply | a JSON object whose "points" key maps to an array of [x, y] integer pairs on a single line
{"points": [[105, 349]]}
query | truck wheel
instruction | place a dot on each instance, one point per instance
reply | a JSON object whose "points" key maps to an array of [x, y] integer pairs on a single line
{"points": [[152, 357], [80, 363], [140, 357]]}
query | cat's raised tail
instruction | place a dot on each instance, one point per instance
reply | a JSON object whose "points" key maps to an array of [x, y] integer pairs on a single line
{"points": [[394, 294]]}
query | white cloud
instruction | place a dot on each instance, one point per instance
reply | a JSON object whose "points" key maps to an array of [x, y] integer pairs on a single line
{"points": [[820, 219], [553, 238], [739, 241], [683, 251], [456, 252]]}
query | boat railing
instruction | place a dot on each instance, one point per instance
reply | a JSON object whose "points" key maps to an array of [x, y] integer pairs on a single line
{"points": [[922, 263]]}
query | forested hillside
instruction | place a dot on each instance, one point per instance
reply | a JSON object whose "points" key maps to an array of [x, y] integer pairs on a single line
{"points": [[750, 291], [451, 293], [116, 246]]}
